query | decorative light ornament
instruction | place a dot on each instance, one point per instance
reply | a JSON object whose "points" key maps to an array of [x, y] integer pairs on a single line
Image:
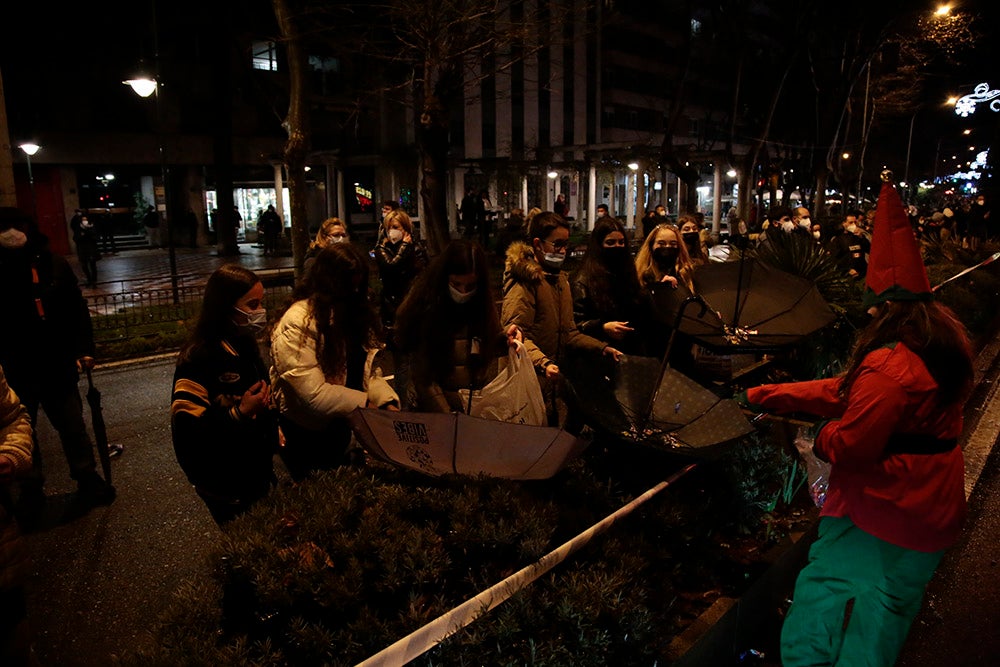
{"points": [[966, 105]]}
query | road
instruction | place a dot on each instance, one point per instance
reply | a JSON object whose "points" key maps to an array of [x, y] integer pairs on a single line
{"points": [[98, 581]]}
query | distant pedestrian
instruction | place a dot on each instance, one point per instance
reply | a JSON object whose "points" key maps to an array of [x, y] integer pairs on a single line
{"points": [[106, 232], [333, 230], [85, 240], [269, 225], [224, 431], [46, 340], [189, 223], [151, 222]]}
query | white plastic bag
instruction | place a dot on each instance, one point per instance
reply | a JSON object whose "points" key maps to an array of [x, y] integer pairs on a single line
{"points": [[817, 470], [514, 395]]}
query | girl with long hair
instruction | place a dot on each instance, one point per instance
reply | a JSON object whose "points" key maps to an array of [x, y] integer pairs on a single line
{"points": [[607, 296], [323, 351], [896, 495], [224, 431], [663, 258], [400, 259], [448, 329]]}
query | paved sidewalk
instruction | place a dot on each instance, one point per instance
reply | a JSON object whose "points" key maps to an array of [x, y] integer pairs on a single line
{"points": [[150, 268]]}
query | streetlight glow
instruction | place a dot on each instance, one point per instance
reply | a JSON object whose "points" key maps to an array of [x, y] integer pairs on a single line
{"points": [[142, 86], [553, 175], [634, 166], [731, 173], [942, 10], [29, 148], [846, 155]]}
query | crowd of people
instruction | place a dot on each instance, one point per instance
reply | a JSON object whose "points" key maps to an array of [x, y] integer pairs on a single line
{"points": [[248, 387]]}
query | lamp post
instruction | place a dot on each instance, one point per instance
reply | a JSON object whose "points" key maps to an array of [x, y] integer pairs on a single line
{"points": [[143, 85], [29, 150]]}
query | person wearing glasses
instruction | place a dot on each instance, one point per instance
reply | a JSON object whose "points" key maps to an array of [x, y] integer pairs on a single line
{"points": [[333, 230], [607, 296], [538, 299]]}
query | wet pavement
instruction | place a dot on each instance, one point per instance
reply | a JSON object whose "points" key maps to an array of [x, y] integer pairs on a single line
{"points": [[100, 580]]}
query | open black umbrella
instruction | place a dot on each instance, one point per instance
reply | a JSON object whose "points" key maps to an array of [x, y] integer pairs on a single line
{"points": [[100, 429], [750, 306], [640, 399]]}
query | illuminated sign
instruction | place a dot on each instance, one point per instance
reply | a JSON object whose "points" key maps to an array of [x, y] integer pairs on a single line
{"points": [[967, 105]]}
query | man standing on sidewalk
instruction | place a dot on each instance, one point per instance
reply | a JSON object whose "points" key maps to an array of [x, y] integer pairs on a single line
{"points": [[45, 341]]}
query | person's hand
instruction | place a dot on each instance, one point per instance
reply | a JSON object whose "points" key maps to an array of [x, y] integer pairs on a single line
{"points": [[552, 371], [407, 238], [613, 353], [514, 334], [617, 330], [84, 363], [256, 399], [669, 279]]}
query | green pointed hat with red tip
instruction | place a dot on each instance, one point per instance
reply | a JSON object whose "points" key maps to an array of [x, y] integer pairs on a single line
{"points": [[895, 269]]}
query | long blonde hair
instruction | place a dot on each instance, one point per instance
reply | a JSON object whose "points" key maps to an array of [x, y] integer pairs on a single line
{"points": [[324, 229], [646, 265]]}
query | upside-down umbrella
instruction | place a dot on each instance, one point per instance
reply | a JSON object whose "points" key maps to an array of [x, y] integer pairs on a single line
{"points": [[750, 306], [100, 429], [640, 399], [439, 443]]}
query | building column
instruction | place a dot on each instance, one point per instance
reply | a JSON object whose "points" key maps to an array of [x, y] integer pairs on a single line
{"points": [[331, 189], [591, 197], [279, 186], [341, 199], [630, 199], [524, 194], [717, 200]]}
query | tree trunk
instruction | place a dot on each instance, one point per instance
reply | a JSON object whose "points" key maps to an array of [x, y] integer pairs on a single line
{"points": [[432, 132], [297, 127]]}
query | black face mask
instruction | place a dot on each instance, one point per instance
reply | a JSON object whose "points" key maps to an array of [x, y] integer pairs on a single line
{"points": [[615, 257], [666, 258], [692, 240]]}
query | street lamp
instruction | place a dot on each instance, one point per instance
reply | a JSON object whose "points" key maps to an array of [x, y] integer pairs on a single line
{"points": [[143, 85], [29, 150]]}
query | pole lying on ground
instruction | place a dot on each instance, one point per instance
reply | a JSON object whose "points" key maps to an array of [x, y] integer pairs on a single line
{"points": [[422, 640], [757, 416]]}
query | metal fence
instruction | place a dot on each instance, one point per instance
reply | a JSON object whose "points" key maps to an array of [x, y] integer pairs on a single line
{"points": [[125, 309]]}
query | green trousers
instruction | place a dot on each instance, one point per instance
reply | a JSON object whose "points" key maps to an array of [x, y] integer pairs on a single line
{"points": [[855, 599]]}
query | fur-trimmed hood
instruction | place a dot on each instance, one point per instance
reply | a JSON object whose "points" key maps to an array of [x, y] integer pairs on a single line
{"points": [[521, 266]]}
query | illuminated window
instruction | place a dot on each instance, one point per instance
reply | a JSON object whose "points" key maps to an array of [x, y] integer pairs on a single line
{"points": [[265, 56]]}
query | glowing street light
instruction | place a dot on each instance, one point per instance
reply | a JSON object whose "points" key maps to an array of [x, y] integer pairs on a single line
{"points": [[634, 166], [942, 10], [846, 155], [30, 149]]}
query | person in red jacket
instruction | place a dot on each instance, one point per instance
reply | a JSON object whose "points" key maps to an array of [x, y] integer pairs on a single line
{"points": [[896, 497]]}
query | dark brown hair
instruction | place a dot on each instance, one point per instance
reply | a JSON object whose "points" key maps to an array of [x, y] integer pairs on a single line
{"points": [[932, 332]]}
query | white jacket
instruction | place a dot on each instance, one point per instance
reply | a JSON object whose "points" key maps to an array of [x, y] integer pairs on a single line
{"points": [[299, 386]]}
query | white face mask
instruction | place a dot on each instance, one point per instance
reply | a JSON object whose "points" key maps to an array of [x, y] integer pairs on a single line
{"points": [[788, 226], [805, 223], [816, 235], [395, 235], [461, 297], [553, 260], [853, 229], [13, 238], [337, 239], [254, 320]]}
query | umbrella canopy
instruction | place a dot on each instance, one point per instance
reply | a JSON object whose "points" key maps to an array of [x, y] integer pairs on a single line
{"points": [[439, 443], [750, 306], [640, 400]]}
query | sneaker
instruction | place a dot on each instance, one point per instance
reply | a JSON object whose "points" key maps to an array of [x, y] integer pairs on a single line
{"points": [[115, 449], [94, 491]]}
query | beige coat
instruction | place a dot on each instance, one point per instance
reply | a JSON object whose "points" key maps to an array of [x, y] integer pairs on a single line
{"points": [[541, 304], [299, 387], [15, 444]]}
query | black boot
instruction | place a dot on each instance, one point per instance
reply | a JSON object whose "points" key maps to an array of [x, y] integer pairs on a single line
{"points": [[94, 491]]}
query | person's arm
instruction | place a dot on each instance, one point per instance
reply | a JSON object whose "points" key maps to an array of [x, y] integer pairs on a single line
{"points": [[519, 306], [294, 351], [15, 434], [584, 312], [386, 257], [875, 408], [815, 397]]}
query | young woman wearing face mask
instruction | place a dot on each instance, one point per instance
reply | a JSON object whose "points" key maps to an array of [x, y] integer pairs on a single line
{"points": [[323, 353], [694, 241], [663, 258], [224, 431], [607, 296], [448, 330], [399, 261], [333, 230]]}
